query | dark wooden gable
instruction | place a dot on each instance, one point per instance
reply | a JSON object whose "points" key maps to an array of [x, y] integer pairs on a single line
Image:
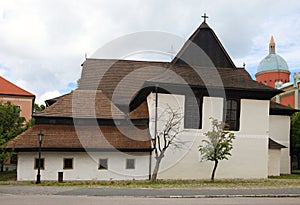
{"points": [[204, 49]]}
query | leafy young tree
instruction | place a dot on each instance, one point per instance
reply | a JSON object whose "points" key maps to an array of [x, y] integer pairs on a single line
{"points": [[166, 137], [11, 125], [218, 145], [295, 137]]}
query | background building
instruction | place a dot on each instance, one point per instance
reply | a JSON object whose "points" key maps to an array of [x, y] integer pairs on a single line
{"points": [[273, 71], [17, 96]]}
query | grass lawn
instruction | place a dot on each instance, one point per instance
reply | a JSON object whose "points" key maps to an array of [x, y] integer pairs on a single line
{"points": [[8, 176], [293, 180]]}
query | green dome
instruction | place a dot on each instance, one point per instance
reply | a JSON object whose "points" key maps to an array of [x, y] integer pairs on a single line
{"points": [[272, 62]]}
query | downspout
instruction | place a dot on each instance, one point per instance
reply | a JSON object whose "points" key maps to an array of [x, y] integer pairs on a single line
{"points": [[150, 164], [296, 98], [296, 87], [155, 131]]}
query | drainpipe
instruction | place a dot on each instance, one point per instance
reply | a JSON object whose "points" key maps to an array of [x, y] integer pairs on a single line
{"points": [[155, 131], [150, 164], [296, 98], [296, 87]]}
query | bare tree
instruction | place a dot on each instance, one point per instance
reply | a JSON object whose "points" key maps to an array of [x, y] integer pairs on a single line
{"points": [[166, 137], [218, 145]]}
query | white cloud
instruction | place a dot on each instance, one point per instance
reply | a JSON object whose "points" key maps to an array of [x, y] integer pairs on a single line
{"points": [[43, 42], [46, 96]]}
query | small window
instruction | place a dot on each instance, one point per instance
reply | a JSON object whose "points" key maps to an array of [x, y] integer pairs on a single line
{"points": [[130, 164], [103, 164], [18, 110], [68, 163], [193, 112], [36, 163], [14, 159], [232, 114]]}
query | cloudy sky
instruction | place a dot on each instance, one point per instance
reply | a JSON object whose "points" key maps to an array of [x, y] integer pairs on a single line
{"points": [[43, 43]]}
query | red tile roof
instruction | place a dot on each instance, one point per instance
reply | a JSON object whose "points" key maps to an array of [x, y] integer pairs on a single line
{"points": [[8, 88]]}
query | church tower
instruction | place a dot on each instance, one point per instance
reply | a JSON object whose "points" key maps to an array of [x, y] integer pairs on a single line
{"points": [[273, 69]]}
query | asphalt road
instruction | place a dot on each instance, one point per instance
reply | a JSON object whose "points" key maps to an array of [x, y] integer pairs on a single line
{"points": [[148, 193], [91, 200]]}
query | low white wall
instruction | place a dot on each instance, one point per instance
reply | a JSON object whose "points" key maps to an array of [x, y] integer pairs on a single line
{"points": [[280, 132], [274, 162], [250, 148], [85, 166]]}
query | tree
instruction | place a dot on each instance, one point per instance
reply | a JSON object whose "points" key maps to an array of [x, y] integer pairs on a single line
{"points": [[295, 137], [166, 137], [11, 125], [38, 108], [218, 145]]}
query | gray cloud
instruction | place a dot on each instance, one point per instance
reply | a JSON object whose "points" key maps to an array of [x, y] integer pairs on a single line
{"points": [[43, 42]]}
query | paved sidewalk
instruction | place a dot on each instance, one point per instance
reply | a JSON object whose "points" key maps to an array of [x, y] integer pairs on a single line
{"points": [[148, 192]]}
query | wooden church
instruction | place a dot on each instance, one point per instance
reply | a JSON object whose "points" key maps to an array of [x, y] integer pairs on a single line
{"points": [[103, 129]]}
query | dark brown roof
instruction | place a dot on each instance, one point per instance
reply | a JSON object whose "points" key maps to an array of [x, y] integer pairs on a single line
{"points": [[121, 80], [51, 101], [66, 137], [278, 109], [228, 78], [83, 104], [90, 104], [203, 48], [275, 145], [141, 112]]}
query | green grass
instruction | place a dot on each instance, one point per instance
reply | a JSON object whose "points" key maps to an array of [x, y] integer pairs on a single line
{"points": [[284, 181], [8, 176], [272, 182], [286, 176]]}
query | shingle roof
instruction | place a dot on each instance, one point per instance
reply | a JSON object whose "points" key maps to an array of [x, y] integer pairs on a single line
{"points": [[229, 78], [121, 80], [90, 104], [84, 104], [8, 88], [278, 109], [201, 46], [66, 137]]}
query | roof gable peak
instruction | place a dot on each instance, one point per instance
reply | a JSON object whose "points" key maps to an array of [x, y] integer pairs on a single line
{"points": [[203, 48]]}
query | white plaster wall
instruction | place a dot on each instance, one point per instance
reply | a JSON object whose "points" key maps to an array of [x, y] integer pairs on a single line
{"points": [[254, 119], [85, 166], [280, 132], [176, 102], [274, 162], [250, 148]]}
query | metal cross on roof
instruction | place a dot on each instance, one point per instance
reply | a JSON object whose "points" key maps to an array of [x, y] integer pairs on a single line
{"points": [[205, 17]]}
